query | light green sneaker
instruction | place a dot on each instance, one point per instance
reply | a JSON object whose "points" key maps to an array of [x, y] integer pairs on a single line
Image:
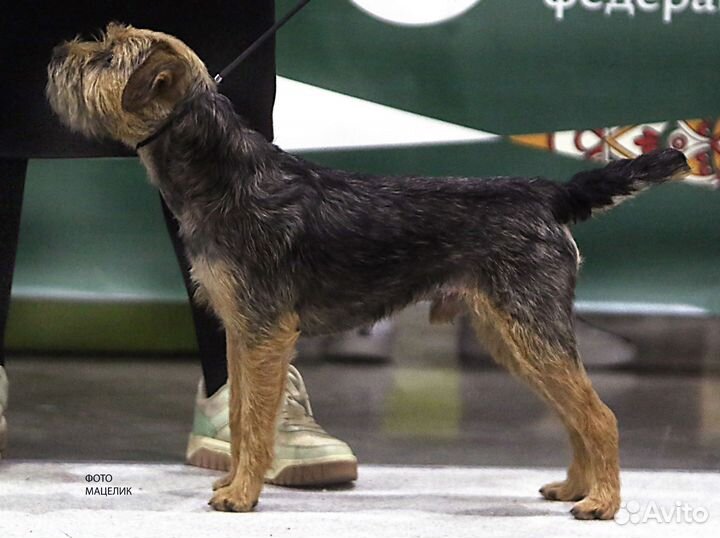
{"points": [[305, 454], [3, 406]]}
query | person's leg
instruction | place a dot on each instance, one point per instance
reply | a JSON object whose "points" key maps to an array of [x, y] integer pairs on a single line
{"points": [[12, 182], [208, 329]]}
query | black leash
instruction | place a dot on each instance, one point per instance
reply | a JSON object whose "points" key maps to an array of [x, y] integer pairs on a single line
{"points": [[184, 107], [259, 41]]}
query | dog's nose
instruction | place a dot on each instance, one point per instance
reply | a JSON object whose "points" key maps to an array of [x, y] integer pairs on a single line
{"points": [[60, 52]]}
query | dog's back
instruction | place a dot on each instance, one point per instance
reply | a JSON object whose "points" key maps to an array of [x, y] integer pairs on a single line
{"points": [[360, 247]]}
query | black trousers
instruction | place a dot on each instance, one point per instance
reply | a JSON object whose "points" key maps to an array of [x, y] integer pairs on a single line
{"points": [[209, 331], [12, 184]]}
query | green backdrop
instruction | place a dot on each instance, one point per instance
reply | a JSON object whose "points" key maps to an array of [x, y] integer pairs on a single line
{"points": [[95, 268]]}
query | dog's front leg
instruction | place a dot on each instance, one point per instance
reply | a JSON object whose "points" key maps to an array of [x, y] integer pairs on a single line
{"points": [[233, 356], [257, 370]]}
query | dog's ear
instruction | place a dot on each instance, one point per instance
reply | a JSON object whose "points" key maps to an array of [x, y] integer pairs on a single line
{"points": [[161, 77]]}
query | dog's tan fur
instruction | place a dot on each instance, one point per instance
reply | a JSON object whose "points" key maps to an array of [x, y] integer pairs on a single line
{"points": [[148, 73], [559, 378], [132, 95], [257, 376], [257, 368]]}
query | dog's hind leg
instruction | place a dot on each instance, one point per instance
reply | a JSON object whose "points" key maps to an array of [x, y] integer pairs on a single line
{"points": [[257, 370], [543, 353], [577, 484]]}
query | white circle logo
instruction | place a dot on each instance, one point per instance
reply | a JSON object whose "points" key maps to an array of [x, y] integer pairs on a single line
{"points": [[628, 513], [415, 12]]}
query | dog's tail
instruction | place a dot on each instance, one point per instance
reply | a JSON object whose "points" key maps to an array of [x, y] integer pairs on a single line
{"points": [[604, 188]]}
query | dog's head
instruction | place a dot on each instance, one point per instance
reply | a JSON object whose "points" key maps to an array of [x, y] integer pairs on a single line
{"points": [[124, 84]]}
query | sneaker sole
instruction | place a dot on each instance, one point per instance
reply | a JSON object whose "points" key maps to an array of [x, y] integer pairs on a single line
{"points": [[3, 435], [315, 474], [207, 453], [210, 453]]}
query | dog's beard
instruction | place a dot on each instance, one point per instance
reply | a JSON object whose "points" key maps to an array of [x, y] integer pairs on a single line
{"points": [[65, 94]]}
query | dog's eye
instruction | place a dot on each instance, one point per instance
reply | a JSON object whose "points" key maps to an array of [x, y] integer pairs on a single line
{"points": [[103, 60]]}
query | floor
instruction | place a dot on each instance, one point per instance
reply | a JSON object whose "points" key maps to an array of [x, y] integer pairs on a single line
{"points": [[51, 500], [73, 409], [443, 447]]}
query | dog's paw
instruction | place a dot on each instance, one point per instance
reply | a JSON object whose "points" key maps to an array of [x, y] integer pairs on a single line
{"points": [[563, 491], [223, 481], [595, 508], [228, 499]]}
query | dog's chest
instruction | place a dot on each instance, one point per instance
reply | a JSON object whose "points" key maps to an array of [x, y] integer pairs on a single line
{"points": [[152, 168]]}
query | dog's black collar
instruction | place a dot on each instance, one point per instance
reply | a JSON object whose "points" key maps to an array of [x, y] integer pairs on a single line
{"points": [[178, 112]]}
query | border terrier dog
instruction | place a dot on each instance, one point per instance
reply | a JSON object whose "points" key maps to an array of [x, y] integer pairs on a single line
{"points": [[280, 246]]}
